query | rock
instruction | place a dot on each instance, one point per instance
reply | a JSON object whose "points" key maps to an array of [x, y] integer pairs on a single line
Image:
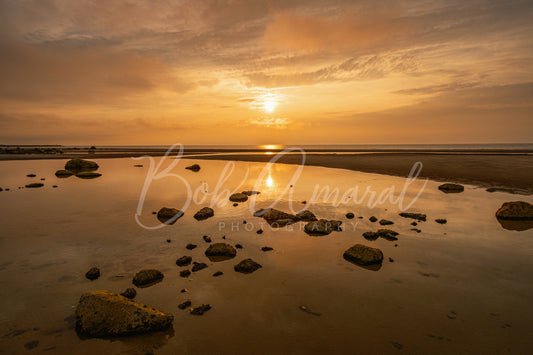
{"points": [[220, 251], [243, 222], [304, 202], [267, 248], [451, 188], [198, 266], [198, 311], [194, 167], [306, 216], [129, 293], [385, 222], [238, 246], [322, 227], [372, 219], [250, 193], [218, 273], [34, 185], [516, 210], [414, 224], [259, 231], [363, 255], [184, 260], [235, 204], [31, 344], [207, 239], [31, 175], [383, 233], [77, 165], [185, 273], [417, 216], [238, 197], [391, 260], [87, 175], [169, 215], [350, 215], [275, 217], [441, 220], [190, 246], [370, 236], [138, 166], [416, 230], [42, 179], [184, 290], [64, 173], [184, 305], [54, 186], [247, 266], [169, 241], [204, 213], [148, 277], [93, 273], [105, 314]]}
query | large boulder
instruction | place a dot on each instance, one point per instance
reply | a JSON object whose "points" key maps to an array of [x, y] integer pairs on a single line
{"points": [[275, 217], [220, 251], [306, 216], [169, 215], [363, 255], [238, 197], [516, 210], [204, 213], [148, 277], [322, 227], [413, 215], [105, 314], [77, 165], [451, 188]]}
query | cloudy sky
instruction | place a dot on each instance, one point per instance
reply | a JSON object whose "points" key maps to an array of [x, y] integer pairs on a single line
{"points": [[265, 72]]}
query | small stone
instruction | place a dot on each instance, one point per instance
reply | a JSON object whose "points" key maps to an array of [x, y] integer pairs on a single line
{"points": [[198, 266], [129, 293], [138, 166], [169, 241], [385, 222], [416, 230], [372, 219], [260, 231], [350, 215], [414, 224], [247, 266], [194, 167], [306, 216], [93, 273], [31, 175], [63, 173], [218, 273], [198, 311], [184, 260], [243, 222], [451, 188], [235, 204], [441, 221], [185, 273], [220, 250], [304, 202], [516, 210], [391, 260], [34, 185], [148, 277], [267, 248], [169, 215], [417, 216], [190, 246], [204, 213], [250, 192], [238, 246], [54, 186], [184, 290], [363, 255], [238, 197], [77, 165], [184, 305], [207, 239], [87, 175]]}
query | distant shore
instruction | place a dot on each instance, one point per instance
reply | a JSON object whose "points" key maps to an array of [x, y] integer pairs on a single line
{"points": [[508, 171]]}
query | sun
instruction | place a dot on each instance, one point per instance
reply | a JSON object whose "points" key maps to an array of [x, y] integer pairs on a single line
{"points": [[269, 106]]}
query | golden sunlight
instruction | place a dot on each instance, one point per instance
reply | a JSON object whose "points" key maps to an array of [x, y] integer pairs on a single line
{"points": [[269, 106]]}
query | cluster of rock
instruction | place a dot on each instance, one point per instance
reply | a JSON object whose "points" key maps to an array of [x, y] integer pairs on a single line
{"points": [[84, 169]]}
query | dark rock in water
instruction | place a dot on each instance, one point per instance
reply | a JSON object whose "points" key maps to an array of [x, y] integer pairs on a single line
{"points": [[184, 260], [42, 179], [218, 273], [129, 293], [247, 266], [372, 219], [451, 188], [169, 215], [322, 227], [204, 213], [105, 314], [224, 237], [31, 344], [391, 260], [306, 216], [238, 246], [414, 224], [275, 217], [441, 220], [148, 277], [207, 239], [184, 305], [169, 241], [185, 273], [138, 166], [516, 210], [387, 234], [54, 186], [243, 222], [35, 184], [190, 246], [259, 231], [1, 189], [217, 251], [350, 215], [363, 255], [198, 311], [198, 266], [93, 273], [416, 230], [77, 165], [370, 235], [238, 197], [194, 167], [87, 175], [31, 175], [250, 193], [154, 212], [267, 248], [417, 216], [304, 202], [183, 290], [385, 222], [64, 173], [235, 204]]}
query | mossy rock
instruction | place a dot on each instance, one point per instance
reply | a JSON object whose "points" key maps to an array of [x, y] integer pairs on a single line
{"points": [[238, 197], [516, 210], [363, 255], [247, 266], [204, 213], [220, 251], [77, 165], [306, 216], [148, 277]]}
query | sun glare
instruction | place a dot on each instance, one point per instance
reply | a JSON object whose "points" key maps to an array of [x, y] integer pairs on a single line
{"points": [[269, 106]]}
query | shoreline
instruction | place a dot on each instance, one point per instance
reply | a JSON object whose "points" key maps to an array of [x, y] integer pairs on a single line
{"points": [[508, 171]]}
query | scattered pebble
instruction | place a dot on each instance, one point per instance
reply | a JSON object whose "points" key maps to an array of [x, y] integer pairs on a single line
{"points": [[267, 248], [93, 273], [441, 220], [391, 260], [350, 215], [414, 224], [416, 230], [190, 246], [243, 222], [185, 273], [198, 311], [385, 222], [207, 239], [129, 293], [184, 305], [198, 266], [184, 260], [218, 273], [238, 246], [184, 290], [169, 241], [372, 219], [31, 175], [235, 204], [260, 231]]}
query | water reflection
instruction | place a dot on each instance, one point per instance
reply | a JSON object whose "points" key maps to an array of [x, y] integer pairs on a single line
{"points": [[515, 225]]}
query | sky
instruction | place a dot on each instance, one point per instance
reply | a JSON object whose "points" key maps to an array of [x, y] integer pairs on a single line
{"points": [[109, 72]]}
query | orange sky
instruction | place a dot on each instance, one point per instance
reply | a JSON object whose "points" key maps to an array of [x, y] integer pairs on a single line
{"points": [[265, 72]]}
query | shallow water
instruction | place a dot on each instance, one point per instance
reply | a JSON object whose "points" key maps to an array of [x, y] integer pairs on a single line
{"points": [[461, 287]]}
